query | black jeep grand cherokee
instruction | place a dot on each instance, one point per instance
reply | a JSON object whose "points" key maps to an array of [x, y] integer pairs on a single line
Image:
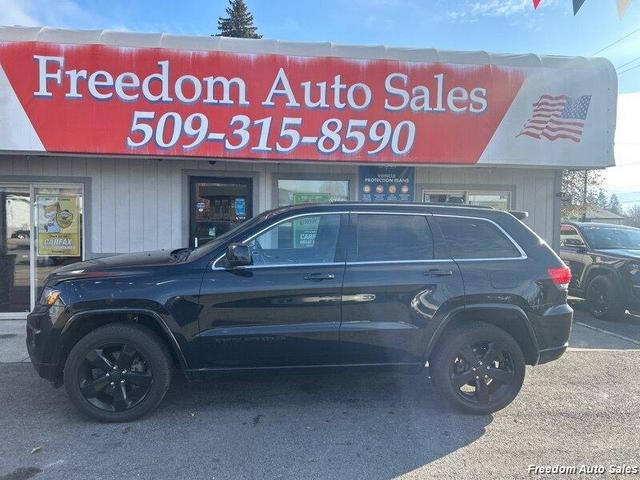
{"points": [[471, 293]]}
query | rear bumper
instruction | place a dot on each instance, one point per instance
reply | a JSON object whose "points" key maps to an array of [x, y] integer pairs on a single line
{"points": [[551, 354], [552, 330]]}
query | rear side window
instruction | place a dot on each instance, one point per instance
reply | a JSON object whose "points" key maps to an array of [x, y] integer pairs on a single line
{"points": [[393, 238], [476, 238]]}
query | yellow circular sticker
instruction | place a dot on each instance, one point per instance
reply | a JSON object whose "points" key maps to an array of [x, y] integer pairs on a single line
{"points": [[64, 218]]}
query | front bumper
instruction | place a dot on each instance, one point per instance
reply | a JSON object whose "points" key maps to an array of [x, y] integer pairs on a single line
{"points": [[552, 330], [41, 345]]}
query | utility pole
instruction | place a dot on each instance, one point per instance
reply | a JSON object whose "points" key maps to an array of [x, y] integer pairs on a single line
{"points": [[584, 196]]}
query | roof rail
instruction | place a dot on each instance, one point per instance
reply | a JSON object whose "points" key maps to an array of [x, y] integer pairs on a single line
{"points": [[417, 204]]}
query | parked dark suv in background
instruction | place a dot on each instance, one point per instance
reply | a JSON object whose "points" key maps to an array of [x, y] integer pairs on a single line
{"points": [[605, 262], [472, 293]]}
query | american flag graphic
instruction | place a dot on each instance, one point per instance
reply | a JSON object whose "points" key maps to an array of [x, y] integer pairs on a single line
{"points": [[557, 117]]}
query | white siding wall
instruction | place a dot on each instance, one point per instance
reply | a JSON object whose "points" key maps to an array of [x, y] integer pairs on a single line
{"points": [[142, 204]]}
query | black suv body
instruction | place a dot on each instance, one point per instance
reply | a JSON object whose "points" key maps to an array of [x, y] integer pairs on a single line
{"points": [[605, 262], [472, 293]]}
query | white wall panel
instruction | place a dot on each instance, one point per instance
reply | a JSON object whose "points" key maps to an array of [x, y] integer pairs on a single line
{"points": [[142, 204]]}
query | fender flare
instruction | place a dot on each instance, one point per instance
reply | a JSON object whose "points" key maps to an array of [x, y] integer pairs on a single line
{"points": [[466, 309], [175, 346]]}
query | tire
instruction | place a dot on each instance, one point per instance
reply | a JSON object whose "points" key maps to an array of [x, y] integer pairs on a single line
{"points": [[604, 299], [488, 357], [92, 372]]}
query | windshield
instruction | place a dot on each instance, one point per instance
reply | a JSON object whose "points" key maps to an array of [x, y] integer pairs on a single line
{"points": [[216, 242], [605, 238]]}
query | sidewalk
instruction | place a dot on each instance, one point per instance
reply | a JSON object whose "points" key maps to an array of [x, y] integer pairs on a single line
{"points": [[13, 346]]}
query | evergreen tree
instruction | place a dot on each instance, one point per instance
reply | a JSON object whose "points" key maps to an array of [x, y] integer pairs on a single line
{"points": [[602, 200], [614, 205], [239, 22]]}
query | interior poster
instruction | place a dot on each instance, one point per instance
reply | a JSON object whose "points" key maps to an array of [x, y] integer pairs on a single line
{"points": [[386, 184], [305, 228], [58, 225]]}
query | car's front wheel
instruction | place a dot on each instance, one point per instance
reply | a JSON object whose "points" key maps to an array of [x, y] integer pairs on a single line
{"points": [[118, 372], [478, 367]]}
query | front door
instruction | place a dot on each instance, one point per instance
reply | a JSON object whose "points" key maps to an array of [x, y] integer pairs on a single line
{"points": [[395, 290], [41, 229], [216, 206], [284, 310]]}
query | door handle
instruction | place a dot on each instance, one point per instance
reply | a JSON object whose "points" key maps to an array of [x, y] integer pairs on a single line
{"points": [[319, 276], [437, 272]]}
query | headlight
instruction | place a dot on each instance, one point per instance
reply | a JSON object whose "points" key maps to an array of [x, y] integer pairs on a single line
{"points": [[49, 296]]}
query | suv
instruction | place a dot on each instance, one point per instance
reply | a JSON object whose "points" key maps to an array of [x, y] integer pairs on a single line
{"points": [[470, 293], [605, 262]]}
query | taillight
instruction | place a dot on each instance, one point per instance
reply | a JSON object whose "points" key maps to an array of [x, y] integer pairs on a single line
{"points": [[561, 276]]}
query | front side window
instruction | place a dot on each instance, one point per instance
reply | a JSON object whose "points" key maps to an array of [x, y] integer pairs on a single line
{"points": [[569, 237], [393, 238], [301, 240], [475, 238]]}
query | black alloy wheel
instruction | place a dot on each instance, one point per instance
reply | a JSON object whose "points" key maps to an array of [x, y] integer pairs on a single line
{"points": [[604, 299], [478, 367], [115, 377], [481, 372], [118, 372]]}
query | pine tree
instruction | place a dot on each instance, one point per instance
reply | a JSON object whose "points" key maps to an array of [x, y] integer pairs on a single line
{"points": [[614, 205], [239, 23], [602, 201]]}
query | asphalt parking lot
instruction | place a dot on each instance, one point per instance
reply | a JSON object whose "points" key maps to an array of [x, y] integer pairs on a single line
{"points": [[581, 409]]}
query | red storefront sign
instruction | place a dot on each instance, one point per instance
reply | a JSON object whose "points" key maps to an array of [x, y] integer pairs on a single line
{"points": [[99, 99]]}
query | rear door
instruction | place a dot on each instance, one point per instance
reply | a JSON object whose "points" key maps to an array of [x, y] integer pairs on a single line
{"points": [[394, 289]]}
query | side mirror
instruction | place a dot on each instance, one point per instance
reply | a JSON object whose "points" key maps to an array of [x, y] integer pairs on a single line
{"points": [[238, 255]]}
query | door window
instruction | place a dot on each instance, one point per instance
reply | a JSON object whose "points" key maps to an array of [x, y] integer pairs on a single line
{"points": [[570, 237], [393, 238], [476, 238], [217, 206], [58, 240], [310, 239]]}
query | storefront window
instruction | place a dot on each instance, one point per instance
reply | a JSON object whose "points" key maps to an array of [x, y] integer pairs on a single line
{"points": [[292, 192], [497, 200]]}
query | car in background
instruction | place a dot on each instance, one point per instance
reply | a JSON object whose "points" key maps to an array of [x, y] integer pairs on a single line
{"points": [[605, 263], [21, 234]]}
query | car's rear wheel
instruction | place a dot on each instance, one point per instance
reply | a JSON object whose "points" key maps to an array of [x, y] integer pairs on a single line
{"points": [[478, 367], [118, 372], [604, 300]]}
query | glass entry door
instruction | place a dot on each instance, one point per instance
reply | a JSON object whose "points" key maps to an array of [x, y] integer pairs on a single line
{"points": [[217, 205], [41, 229], [15, 249]]}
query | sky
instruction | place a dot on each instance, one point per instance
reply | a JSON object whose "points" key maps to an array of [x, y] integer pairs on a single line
{"points": [[509, 26]]}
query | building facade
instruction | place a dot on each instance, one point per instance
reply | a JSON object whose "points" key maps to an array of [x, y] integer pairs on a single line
{"points": [[113, 142]]}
